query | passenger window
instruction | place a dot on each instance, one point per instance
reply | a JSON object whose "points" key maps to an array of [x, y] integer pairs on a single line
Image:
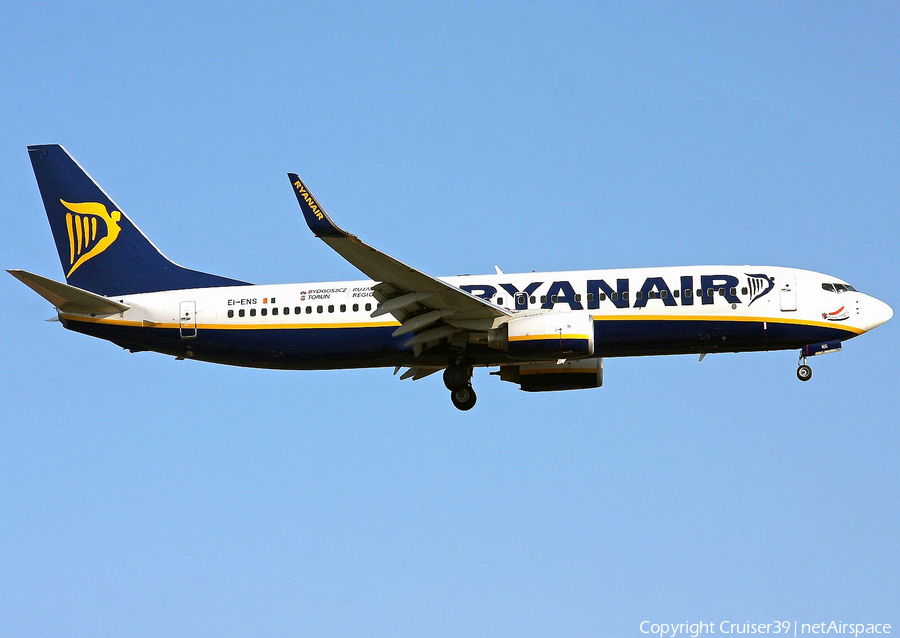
{"points": [[287, 310], [296, 310], [603, 296], [343, 307], [543, 298], [700, 292], [744, 290], [625, 296], [688, 293], [252, 312], [274, 311], [577, 298], [733, 291], [639, 295], [553, 298], [590, 297], [356, 307], [309, 310], [721, 292], [230, 314], [663, 294], [676, 292], [499, 301], [709, 292], [531, 299], [241, 312], [320, 309], [330, 308], [368, 307], [614, 296], [264, 312]]}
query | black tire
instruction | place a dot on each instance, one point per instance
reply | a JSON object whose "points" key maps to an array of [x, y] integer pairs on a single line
{"points": [[804, 373], [455, 378], [464, 398]]}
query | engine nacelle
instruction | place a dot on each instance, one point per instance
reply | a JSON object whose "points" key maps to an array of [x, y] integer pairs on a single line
{"points": [[550, 336], [547, 377]]}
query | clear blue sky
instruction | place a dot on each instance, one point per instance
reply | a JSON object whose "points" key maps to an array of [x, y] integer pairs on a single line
{"points": [[144, 496]]}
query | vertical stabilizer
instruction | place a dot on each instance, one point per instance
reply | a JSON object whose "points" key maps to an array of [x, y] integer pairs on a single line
{"points": [[99, 247]]}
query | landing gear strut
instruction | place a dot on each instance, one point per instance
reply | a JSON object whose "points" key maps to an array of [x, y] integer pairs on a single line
{"points": [[804, 372], [458, 379]]}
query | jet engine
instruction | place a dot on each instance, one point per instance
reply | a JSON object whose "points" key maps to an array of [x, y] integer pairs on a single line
{"points": [[546, 337], [547, 377]]}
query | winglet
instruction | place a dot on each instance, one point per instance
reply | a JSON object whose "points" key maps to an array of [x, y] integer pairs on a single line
{"points": [[316, 218]]}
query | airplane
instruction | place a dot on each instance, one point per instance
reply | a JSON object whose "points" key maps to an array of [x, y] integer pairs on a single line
{"points": [[543, 331]]}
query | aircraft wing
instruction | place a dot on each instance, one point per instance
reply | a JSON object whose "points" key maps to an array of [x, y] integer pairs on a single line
{"points": [[417, 300]]}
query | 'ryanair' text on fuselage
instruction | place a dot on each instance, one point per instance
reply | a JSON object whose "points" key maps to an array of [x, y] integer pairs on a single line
{"points": [[653, 289]]}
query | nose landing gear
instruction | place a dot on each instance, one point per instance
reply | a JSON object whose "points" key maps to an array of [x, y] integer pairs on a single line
{"points": [[458, 379], [804, 372]]}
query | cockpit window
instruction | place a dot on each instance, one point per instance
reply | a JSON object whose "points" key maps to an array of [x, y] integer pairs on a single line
{"points": [[838, 288]]}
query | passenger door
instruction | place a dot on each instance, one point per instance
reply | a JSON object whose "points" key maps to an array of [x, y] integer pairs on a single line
{"points": [[187, 319], [787, 292]]}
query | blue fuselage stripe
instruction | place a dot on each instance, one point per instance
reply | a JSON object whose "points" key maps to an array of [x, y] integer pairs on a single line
{"points": [[330, 348]]}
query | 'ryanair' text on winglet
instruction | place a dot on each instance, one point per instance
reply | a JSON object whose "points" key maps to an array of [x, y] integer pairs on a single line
{"points": [[316, 218]]}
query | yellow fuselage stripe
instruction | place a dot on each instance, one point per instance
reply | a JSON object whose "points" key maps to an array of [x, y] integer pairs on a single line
{"points": [[548, 336], [230, 326], [385, 324]]}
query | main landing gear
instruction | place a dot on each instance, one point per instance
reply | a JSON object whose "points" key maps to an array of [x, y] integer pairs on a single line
{"points": [[804, 372], [458, 379]]}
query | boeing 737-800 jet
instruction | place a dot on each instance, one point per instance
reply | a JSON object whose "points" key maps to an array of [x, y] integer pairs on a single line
{"points": [[543, 331]]}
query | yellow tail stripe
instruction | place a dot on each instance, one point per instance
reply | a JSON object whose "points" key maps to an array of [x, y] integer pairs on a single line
{"points": [[93, 228]]}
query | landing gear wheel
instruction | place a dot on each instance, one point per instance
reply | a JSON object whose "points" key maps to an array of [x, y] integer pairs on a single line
{"points": [[456, 378], [804, 372], [463, 399]]}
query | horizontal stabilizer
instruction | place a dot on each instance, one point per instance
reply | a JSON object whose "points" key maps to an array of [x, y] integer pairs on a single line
{"points": [[68, 298]]}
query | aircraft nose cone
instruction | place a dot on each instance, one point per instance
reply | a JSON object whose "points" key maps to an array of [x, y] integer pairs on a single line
{"points": [[879, 314]]}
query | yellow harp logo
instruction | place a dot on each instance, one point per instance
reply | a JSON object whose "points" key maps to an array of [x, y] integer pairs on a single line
{"points": [[84, 241]]}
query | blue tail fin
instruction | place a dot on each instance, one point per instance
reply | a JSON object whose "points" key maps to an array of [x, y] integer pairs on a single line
{"points": [[100, 249]]}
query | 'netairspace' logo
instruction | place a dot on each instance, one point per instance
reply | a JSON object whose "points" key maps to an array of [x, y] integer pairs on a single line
{"points": [[783, 627]]}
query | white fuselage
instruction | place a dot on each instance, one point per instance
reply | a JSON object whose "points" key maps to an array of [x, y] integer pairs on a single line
{"points": [[668, 310]]}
